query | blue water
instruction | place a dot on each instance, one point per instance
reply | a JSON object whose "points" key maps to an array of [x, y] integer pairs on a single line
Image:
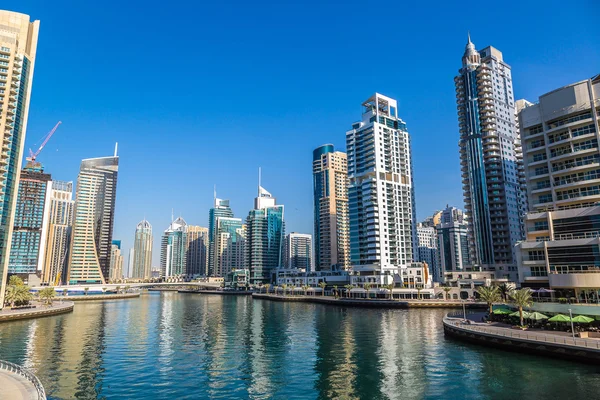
{"points": [[191, 346]]}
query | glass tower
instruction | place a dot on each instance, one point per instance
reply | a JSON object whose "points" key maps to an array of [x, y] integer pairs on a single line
{"points": [[142, 251], [220, 209], [173, 249]]}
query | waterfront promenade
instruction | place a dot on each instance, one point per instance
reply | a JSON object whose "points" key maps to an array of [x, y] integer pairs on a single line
{"points": [[547, 343], [40, 310], [17, 383]]}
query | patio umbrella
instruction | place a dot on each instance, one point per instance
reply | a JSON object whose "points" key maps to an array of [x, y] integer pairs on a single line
{"points": [[582, 319], [560, 318], [536, 316], [502, 311], [516, 314]]}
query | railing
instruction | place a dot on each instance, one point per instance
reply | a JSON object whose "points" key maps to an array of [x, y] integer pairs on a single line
{"points": [[8, 366], [509, 333]]}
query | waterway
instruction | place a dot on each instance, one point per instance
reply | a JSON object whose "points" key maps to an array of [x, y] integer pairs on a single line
{"points": [[190, 346]]}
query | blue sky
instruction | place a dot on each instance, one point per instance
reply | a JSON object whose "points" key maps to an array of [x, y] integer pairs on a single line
{"points": [[203, 93]]}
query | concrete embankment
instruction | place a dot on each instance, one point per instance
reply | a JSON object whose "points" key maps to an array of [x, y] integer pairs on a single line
{"points": [[219, 292], [535, 342], [100, 297], [372, 303], [37, 312]]}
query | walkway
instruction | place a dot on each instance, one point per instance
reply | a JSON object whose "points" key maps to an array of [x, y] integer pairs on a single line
{"points": [[36, 310], [17, 383]]}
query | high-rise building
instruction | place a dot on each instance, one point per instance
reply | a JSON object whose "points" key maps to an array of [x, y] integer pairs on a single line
{"points": [[562, 162], [142, 251], [197, 251], [130, 261], [265, 229], [381, 197], [27, 249], [489, 154], [89, 258], [18, 46], [427, 246], [173, 248], [432, 220], [116, 261], [298, 251], [59, 219], [230, 237], [453, 246], [331, 220], [221, 209]]}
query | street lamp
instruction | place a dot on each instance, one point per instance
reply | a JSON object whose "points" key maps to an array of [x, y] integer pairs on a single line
{"points": [[572, 327], [464, 311]]}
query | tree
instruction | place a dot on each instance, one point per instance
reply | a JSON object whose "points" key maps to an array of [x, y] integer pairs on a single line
{"points": [[368, 287], [348, 289], [284, 287], [85, 290], [65, 292], [323, 285], [11, 295], [305, 288], [47, 294], [127, 287], [14, 280], [335, 291], [447, 290], [489, 294], [267, 286], [522, 298], [390, 287], [506, 291], [103, 290], [419, 288], [118, 289]]}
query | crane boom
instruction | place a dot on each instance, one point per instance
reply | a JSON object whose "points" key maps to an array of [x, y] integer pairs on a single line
{"points": [[32, 155]]}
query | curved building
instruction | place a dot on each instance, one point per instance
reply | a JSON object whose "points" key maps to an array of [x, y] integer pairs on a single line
{"points": [[173, 248], [142, 253]]}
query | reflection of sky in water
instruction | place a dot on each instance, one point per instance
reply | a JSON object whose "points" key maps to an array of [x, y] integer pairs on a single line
{"points": [[190, 346]]}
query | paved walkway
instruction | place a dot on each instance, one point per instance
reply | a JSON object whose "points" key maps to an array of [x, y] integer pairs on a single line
{"points": [[40, 310], [16, 387]]}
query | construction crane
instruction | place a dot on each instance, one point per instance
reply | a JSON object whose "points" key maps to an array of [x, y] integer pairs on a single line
{"points": [[32, 155]]}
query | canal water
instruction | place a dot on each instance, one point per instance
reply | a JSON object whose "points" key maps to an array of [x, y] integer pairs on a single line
{"points": [[190, 346]]}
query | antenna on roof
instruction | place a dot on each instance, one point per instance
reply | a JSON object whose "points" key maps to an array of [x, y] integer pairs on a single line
{"points": [[116, 147]]}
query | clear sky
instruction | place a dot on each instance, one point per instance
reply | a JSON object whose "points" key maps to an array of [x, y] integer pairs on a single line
{"points": [[202, 93]]}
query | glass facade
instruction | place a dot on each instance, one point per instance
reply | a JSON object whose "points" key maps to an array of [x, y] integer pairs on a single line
{"points": [[264, 249]]}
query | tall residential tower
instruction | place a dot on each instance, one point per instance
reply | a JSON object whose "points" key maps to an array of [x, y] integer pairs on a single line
{"points": [[142, 251], [221, 209], [18, 45], [173, 248], [331, 221], [298, 251]]}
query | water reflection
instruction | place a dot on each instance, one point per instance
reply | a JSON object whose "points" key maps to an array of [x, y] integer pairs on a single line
{"points": [[189, 346]]}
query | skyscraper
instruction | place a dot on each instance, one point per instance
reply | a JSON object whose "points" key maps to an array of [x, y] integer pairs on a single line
{"points": [[489, 144], [452, 243], [380, 195], [197, 251], [230, 239], [298, 251], [18, 45], [27, 249], [116, 261], [58, 231], [331, 221], [427, 245], [221, 209], [89, 258], [264, 237], [142, 251], [173, 248]]}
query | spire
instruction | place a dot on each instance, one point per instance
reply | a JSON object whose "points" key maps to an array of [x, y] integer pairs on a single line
{"points": [[469, 37], [215, 192], [259, 180], [116, 148]]}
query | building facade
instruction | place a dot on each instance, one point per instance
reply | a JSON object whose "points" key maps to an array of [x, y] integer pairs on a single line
{"points": [[59, 225], [489, 157], [265, 230], [380, 195], [298, 251], [173, 249], [427, 247], [562, 161], [220, 209], [116, 262], [142, 251], [230, 249], [18, 46], [89, 257], [453, 245], [30, 220], [197, 251], [331, 219]]}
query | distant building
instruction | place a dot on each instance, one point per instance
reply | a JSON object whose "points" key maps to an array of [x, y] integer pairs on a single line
{"points": [[264, 237], [298, 251], [142, 253], [116, 262], [155, 272], [230, 238], [173, 249], [59, 225], [18, 46], [380, 195], [427, 246], [30, 220], [221, 209], [197, 251], [89, 258], [453, 244], [331, 219], [129, 272]]}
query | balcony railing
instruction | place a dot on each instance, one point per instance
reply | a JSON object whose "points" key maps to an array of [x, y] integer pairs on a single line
{"points": [[14, 368]]}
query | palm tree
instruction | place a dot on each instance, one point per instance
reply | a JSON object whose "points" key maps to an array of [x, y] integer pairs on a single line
{"points": [[322, 285], [305, 288], [11, 295], [65, 292], [85, 290], [47, 294], [14, 280], [522, 298], [419, 288], [335, 291], [103, 290], [390, 287], [284, 287], [489, 294], [447, 290], [505, 291], [267, 286], [348, 289], [368, 287], [118, 289], [127, 287]]}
